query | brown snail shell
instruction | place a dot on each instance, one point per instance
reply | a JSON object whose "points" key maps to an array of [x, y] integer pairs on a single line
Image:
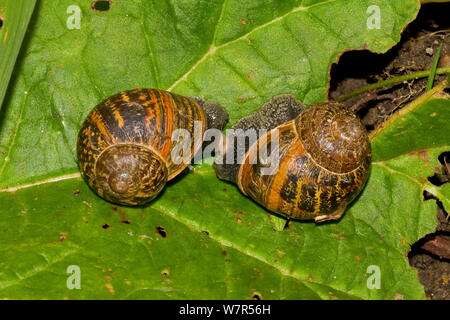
{"points": [[124, 146], [324, 159]]}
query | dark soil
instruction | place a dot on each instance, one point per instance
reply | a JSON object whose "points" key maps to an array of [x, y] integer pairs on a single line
{"points": [[415, 52]]}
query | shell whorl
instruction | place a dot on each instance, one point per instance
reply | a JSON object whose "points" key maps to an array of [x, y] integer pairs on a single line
{"points": [[130, 174], [333, 136]]}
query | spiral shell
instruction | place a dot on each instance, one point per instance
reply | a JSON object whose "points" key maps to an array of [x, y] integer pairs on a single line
{"points": [[124, 146], [324, 160]]}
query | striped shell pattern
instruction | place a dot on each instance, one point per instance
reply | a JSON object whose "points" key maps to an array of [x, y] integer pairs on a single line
{"points": [[124, 145], [324, 161]]}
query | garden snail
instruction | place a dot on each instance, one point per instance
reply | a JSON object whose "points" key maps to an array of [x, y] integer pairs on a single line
{"points": [[324, 159], [124, 146]]}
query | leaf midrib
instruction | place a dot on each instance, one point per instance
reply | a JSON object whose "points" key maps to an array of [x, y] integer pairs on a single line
{"points": [[213, 48]]}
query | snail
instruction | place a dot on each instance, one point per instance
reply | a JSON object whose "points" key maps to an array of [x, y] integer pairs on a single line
{"points": [[124, 146], [324, 157]]}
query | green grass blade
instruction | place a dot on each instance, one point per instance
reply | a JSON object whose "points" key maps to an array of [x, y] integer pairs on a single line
{"points": [[394, 80], [15, 15], [433, 69]]}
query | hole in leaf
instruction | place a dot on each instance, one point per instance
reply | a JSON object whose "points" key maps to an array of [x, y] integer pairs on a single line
{"points": [[165, 273], [101, 5], [256, 296], [442, 176], [1, 23], [438, 179], [427, 196], [425, 245], [105, 226], [161, 231], [444, 158], [206, 233]]}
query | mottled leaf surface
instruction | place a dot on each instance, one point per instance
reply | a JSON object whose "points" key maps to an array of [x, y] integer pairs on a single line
{"points": [[201, 238]]}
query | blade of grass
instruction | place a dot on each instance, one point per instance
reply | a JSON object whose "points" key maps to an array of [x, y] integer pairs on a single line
{"points": [[15, 16], [433, 69], [408, 108], [395, 80]]}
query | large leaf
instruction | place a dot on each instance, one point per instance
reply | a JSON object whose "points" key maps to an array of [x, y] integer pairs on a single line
{"points": [[201, 238], [282, 47]]}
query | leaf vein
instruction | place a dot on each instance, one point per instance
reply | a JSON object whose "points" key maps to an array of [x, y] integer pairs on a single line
{"points": [[213, 48]]}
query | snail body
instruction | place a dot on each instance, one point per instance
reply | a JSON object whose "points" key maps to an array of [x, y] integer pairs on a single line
{"points": [[125, 145], [324, 159]]}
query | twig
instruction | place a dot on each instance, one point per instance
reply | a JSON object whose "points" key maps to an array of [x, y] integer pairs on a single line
{"points": [[438, 246]]}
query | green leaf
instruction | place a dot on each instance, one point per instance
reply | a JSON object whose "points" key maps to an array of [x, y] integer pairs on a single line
{"points": [[393, 140], [193, 48], [201, 238], [14, 18]]}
